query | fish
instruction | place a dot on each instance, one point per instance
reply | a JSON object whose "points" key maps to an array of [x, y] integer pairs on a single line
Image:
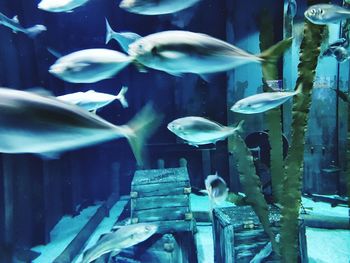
{"points": [[342, 95], [92, 100], [217, 188], [197, 131], [262, 102], [14, 24], [58, 6], [156, 7], [124, 237], [89, 65], [323, 14], [47, 126], [178, 52], [292, 8], [124, 38]]}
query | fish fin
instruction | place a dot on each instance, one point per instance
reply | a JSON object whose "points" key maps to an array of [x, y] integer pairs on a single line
{"points": [[33, 31], [208, 77], [94, 111], [50, 155], [121, 97], [272, 54], [54, 52], [192, 144], [141, 68], [204, 191], [109, 32], [175, 74], [41, 91], [140, 128], [15, 19]]}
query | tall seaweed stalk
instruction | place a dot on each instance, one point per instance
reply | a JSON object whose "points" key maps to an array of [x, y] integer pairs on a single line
{"points": [[252, 186], [273, 117], [309, 52]]}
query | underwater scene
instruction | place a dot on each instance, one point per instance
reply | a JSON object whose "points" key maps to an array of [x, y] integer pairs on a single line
{"points": [[174, 131]]}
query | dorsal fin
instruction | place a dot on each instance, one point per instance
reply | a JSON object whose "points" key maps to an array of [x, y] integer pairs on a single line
{"points": [[15, 19], [41, 91]]}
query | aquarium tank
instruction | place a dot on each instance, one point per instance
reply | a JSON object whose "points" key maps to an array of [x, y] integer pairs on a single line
{"points": [[174, 131]]}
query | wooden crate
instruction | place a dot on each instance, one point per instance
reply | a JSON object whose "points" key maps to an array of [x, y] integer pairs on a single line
{"points": [[162, 196], [239, 236], [167, 248]]}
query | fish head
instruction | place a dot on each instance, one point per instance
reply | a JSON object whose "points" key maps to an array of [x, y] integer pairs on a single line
{"points": [[143, 231], [66, 69], [144, 51], [216, 187], [316, 14], [177, 127], [242, 107]]}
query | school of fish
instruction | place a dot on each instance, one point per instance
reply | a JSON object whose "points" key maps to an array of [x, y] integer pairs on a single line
{"points": [[69, 121]]}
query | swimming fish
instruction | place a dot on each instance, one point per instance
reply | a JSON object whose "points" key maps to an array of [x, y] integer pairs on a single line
{"points": [[124, 39], [217, 188], [178, 52], [338, 49], [262, 102], [155, 7], [124, 237], [198, 131], [292, 8], [60, 5], [89, 65], [31, 123], [92, 100], [16, 27], [323, 14]]}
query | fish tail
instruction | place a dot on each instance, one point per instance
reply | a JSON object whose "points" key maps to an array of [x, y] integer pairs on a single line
{"points": [[109, 32], [121, 97], [272, 54], [239, 126], [140, 128]]}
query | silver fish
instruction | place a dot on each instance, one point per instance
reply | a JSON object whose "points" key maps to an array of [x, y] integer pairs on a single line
{"points": [[262, 102], [323, 14], [42, 125], [126, 236], [16, 27], [217, 188], [178, 52], [155, 7], [198, 131], [292, 8], [124, 39], [58, 6], [92, 100], [89, 65]]}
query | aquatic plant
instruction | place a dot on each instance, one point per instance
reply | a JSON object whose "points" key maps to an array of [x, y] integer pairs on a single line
{"points": [[309, 53], [273, 117], [252, 186]]}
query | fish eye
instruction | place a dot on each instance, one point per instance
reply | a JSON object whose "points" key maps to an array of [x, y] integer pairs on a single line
{"points": [[320, 11], [249, 105], [312, 11]]}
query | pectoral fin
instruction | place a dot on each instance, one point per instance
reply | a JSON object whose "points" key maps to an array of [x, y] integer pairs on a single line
{"points": [[15, 19]]}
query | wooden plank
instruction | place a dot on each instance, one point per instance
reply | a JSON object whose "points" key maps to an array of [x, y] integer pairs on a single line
{"points": [[160, 189], [160, 214], [170, 175], [75, 246], [151, 202]]}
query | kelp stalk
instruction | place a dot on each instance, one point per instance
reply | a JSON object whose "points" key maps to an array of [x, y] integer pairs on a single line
{"points": [[273, 117], [252, 186], [309, 53]]}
